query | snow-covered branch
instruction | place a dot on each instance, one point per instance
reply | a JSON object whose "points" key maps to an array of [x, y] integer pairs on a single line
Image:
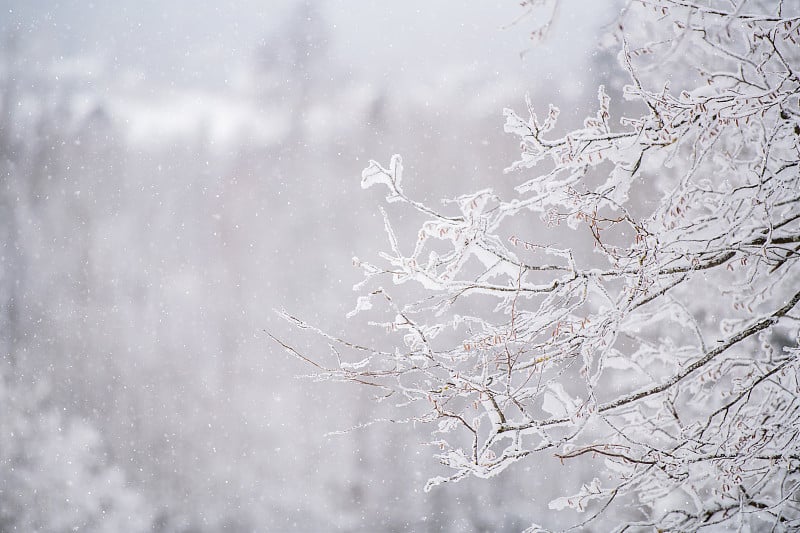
{"points": [[667, 349]]}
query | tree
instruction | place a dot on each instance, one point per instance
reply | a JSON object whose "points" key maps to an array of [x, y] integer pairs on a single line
{"points": [[660, 350], [55, 470]]}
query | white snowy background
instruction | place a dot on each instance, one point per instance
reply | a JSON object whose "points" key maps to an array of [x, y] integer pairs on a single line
{"points": [[172, 172]]}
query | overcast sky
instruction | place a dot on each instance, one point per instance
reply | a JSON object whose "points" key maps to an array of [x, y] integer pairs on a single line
{"points": [[186, 42]]}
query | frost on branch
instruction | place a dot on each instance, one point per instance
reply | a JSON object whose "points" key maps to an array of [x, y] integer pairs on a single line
{"points": [[664, 353], [578, 502], [391, 177]]}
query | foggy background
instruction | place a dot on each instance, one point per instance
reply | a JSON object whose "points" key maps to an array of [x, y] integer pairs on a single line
{"points": [[174, 171]]}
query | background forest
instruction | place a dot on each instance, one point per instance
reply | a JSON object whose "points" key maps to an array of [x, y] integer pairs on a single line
{"points": [[171, 173]]}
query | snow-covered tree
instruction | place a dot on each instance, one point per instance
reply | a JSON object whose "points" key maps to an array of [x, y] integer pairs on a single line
{"points": [[55, 471], [632, 306]]}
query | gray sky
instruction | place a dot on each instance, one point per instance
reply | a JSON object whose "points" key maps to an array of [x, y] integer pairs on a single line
{"points": [[186, 42]]}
